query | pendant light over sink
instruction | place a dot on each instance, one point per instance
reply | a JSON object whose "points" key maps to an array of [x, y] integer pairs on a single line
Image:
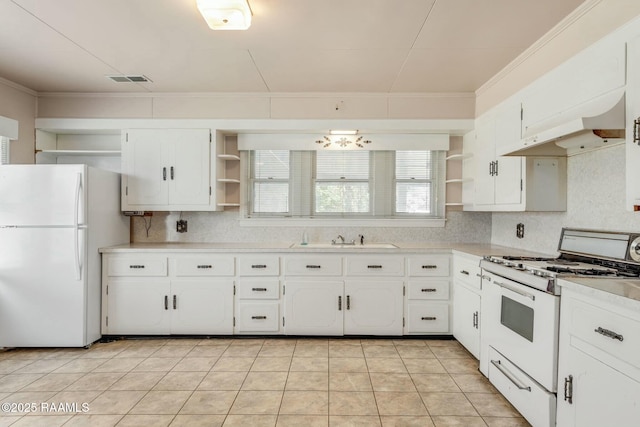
{"points": [[226, 14]]}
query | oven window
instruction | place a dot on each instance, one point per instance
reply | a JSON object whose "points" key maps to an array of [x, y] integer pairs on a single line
{"points": [[517, 317]]}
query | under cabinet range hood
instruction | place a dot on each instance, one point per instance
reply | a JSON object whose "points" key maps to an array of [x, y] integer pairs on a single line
{"points": [[596, 123]]}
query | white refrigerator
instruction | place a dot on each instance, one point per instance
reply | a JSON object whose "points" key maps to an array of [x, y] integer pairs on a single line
{"points": [[53, 219]]}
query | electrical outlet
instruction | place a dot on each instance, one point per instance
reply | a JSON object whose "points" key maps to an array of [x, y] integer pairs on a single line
{"points": [[181, 226], [520, 231]]}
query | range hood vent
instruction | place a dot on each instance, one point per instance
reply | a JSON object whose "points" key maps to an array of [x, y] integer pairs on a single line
{"points": [[593, 124]]}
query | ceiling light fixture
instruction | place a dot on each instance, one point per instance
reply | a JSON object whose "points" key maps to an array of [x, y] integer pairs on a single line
{"points": [[226, 14], [343, 132]]}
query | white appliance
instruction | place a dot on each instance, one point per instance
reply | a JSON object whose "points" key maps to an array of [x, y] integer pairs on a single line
{"points": [[521, 313], [53, 219]]}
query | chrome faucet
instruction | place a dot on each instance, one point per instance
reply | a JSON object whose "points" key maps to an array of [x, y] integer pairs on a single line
{"points": [[361, 237]]}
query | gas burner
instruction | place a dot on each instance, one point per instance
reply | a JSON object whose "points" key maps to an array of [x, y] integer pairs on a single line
{"points": [[560, 261]]}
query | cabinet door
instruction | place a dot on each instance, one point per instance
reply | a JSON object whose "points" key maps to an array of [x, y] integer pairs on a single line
{"points": [[138, 306], [466, 318], [373, 308], [484, 153], [508, 181], [632, 114], [188, 166], [145, 166], [313, 307], [602, 395], [201, 306]]}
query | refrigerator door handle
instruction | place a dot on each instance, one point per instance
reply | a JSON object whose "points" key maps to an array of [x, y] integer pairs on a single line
{"points": [[76, 213], [78, 261]]}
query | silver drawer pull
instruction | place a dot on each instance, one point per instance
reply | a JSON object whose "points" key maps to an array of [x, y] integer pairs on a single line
{"points": [[429, 318], [136, 266], [205, 266], [509, 375], [259, 266], [313, 266], [516, 290], [429, 290], [429, 267], [465, 272], [609, 334], [568, 389], [374, 266], [258, 317], [259, 289]]}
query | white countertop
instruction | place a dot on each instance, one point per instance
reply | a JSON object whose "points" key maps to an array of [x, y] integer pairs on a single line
{"points": [[285, 247], [619, 291]]}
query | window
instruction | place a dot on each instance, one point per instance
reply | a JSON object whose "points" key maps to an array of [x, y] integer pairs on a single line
{"points": [[342, 183], [346, 184], [270, 181], [4, 150]]}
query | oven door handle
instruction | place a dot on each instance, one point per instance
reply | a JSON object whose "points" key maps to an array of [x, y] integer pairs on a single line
{"points": [[509, 375], [516, 290]]}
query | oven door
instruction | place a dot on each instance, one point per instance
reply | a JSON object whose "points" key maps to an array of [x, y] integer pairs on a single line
{"points": [[522, 324]]}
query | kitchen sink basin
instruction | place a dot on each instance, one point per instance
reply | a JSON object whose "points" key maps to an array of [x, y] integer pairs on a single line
{"points": [[346, 247]]}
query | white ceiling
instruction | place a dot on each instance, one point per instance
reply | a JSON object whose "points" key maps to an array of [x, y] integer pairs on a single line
{"points": [[292, 46]]}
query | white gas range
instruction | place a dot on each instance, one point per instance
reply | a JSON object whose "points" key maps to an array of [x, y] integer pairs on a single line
{"points": [[521, 312]]}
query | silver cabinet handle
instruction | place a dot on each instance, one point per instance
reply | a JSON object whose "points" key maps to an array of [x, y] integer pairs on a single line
{"points": [[485, 277], [348, 302], [517, 291], [568, 389], [135, 266], [429, 318], [374, 266], [166, 302], [313, 266], [164, 173], [475, 320], [609, 334], [259, 289], [259, 266], [428, 290], [465, 272], [340, 303], [171, 173], [175, 302], [205, 266], [509, 375], [429, 267], [258, 317]]}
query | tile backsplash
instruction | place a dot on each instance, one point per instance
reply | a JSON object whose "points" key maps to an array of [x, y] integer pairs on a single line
{"points": [[468, 227], [595, 200]]}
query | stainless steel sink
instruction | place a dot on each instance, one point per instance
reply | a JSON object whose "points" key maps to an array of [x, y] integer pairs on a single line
{"points": [[344, 246]]}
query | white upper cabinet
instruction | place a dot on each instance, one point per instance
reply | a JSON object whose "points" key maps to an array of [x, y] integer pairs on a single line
{"points": [[633, 129], [167, 169]]}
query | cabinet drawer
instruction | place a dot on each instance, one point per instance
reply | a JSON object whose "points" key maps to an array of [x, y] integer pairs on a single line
{"points": [[313, 265], [137, 266], [430, 290], [612, 333], [258, 317], [259, 265], [423, 317], [467, 270], [205, 266], [375, 265], [259, 289], [429, 265]]}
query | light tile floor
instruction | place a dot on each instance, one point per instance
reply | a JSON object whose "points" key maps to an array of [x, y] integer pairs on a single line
{"points": [[251, 382]]}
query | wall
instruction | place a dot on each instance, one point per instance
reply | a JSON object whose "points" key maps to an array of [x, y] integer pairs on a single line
{"points": [[588, 24], [467, 227], [595, 200], [19, 103]]}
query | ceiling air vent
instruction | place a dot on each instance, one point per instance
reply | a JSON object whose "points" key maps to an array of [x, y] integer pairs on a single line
{"points": [[120, 78]]}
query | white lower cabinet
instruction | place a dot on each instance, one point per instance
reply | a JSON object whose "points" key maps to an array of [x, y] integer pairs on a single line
{"points": [[161, 307], [467, 284], [314, 307], [373, 307], [599, 362]]}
